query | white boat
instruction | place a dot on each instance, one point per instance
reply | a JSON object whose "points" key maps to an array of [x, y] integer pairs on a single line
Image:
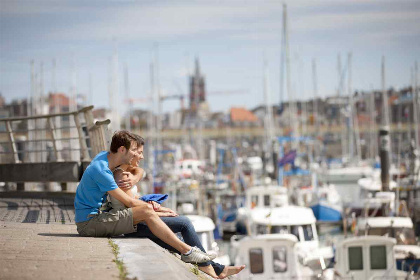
{"points": [[204, 227], [270, 256], [189, 168], [345, 180], [326, 204], [366, 258], [406, 250], [260, 197], [298, 221]]}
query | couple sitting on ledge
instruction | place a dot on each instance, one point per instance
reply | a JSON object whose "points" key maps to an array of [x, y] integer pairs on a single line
{"points": [[128, 214]]}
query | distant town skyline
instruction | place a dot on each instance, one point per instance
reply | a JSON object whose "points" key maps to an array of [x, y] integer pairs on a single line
{"points": [[231, 39]]}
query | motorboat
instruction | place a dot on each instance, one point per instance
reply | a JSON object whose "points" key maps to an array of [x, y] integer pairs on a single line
{"points": [[204, 227], [407, 251], [366, 258], [270, 256], [326, 204]]}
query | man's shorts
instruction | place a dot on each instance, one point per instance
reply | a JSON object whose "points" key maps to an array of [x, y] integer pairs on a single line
{"points": [[108, 224]]}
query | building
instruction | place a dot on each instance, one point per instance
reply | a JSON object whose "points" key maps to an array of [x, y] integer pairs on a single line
{"points": [[197, 88]]}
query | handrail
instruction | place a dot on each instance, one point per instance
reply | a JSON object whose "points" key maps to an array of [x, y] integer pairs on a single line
{"points": [[69, 142], [82, 110]]}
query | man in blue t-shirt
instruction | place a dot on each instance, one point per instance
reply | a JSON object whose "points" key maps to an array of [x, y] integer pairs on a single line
{"points": [[98, 181]]}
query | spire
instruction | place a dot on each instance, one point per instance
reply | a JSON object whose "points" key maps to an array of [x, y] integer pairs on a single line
{"points": [[197, 67]]}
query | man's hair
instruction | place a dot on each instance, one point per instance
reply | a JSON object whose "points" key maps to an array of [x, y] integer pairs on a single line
{"points": [[124, 138]]}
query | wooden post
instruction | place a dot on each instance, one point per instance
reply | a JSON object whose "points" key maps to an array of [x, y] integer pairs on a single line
{"points": [[84, 153], [12, 142], [56, 145]]}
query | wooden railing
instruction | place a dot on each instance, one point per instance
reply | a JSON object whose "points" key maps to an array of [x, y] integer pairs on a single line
{"points": [[50, 148]]}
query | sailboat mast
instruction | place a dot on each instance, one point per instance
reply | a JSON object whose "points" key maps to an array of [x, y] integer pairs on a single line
{"points": [[416, 106], [292, 113], [385, 111], [127, 98], [315, 108]]}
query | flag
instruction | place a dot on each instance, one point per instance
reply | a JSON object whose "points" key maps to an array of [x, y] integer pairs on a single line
{"points": [[288, 158]]}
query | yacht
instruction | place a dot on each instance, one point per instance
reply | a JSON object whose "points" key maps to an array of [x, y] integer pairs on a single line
{"points": [[407, 250], [270, 256], [366, 258]]}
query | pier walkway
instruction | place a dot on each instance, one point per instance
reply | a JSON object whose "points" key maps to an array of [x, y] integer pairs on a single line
{"points": [[38, 240]]}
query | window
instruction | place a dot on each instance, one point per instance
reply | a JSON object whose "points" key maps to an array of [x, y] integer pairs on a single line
{"points": [[307, 232], [266, 200], [355, 258], [254, 201], [256, 260], [377, 257], [280, 259], [262, 229], [295, 231], [279, 229]]}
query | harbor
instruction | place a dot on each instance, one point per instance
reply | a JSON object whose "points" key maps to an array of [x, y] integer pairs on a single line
{"points": [[297, 163]]}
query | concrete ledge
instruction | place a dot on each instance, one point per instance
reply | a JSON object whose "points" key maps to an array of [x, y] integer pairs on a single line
{"points": [[147, 261]]}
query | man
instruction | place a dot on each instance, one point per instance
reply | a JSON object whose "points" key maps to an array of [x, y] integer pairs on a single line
{"points": [[98, 180]]}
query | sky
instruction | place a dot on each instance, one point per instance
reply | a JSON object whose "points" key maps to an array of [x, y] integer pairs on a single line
{"points": [[231, 38]]}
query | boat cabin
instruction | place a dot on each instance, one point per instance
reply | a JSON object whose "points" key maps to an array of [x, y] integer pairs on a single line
{"points": [[266, 197], [271, 256], [367, 257]]}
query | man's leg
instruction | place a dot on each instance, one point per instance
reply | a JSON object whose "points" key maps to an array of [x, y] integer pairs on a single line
{"points": [[145, 213]]}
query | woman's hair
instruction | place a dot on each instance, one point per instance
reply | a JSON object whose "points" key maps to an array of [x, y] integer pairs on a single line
{"points": [[124, 138]]}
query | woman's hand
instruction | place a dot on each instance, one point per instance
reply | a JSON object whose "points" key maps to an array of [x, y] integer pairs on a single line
{"points": [[166, 214], [156, 206], [160, 209]]}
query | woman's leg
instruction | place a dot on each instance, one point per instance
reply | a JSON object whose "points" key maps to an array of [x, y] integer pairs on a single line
{"points": [[177, 224]]}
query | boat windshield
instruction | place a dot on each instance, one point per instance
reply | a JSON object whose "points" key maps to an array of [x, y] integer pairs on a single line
{"points": [[308, 234], [404, 236], [205, 240]]}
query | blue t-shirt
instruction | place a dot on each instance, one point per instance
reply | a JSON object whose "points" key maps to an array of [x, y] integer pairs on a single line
{"points": [[96, 181]]}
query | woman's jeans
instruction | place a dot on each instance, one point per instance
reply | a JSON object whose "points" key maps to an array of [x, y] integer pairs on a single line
{"points": [[177, 224]]}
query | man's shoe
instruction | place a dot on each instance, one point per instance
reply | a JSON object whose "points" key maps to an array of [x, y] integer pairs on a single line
{"points": [[196, 256]]}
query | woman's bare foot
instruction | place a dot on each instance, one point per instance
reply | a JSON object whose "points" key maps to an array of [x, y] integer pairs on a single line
{"points": [[230, 270], [208, 270]]}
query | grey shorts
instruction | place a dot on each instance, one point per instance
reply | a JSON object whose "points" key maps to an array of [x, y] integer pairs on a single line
{"points": [[107, 224]]}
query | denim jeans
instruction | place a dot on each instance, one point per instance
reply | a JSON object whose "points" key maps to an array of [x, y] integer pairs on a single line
{"points": [[179, 224]]}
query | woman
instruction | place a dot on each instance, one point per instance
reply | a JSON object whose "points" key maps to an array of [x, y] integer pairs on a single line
{"points": [[126, 177]]}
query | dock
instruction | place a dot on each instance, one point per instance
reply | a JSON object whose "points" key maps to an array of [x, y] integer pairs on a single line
{"points": [[38, 240]]}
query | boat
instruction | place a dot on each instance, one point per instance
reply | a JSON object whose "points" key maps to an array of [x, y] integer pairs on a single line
{"points": [[270, 256], [204, 227], [296, 220], [326, 204], [260, 197], [366, 258], [345, 180], [407, 250]]}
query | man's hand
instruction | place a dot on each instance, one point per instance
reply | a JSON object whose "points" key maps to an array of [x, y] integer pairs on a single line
{"points": [[128, 181]]}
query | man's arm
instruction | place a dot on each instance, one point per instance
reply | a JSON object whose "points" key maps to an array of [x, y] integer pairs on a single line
{"points": [[130, 202], [125, 198], [132, 176]]}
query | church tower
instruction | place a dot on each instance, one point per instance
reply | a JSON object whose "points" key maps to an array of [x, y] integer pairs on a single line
{"points": [[197, 88]]}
